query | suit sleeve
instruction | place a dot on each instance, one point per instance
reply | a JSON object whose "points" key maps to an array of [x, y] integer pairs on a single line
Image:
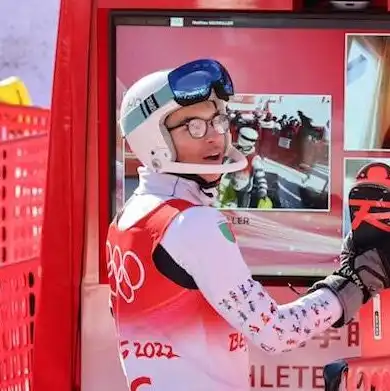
{"points": [[201, 242]]}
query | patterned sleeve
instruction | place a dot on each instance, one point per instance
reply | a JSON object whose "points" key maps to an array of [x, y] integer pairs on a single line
{"points": [[201, 242]]}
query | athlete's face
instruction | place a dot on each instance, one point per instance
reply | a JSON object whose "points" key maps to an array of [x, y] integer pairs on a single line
{"points": [[208, 149]]}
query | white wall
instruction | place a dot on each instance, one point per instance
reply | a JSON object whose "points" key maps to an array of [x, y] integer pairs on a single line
{"points": [[28, 33]]}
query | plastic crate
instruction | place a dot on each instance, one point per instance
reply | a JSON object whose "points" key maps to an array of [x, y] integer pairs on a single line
{"points": [[23, 167], [23, 164], [19, 291], [21, 122]]}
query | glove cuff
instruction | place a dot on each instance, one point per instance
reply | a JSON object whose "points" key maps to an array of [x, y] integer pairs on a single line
{"points": [[350, 274]]}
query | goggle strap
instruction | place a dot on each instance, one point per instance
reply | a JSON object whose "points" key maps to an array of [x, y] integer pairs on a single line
{"points": [[146, 108]]}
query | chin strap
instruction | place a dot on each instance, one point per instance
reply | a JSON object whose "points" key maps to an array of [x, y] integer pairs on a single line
{"points": [[203, 184]]}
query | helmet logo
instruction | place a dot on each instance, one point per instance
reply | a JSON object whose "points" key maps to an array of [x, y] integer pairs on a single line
{"points": [[151, 104]]}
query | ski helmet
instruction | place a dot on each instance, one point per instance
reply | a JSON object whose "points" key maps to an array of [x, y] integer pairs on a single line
{"points": [[150, 100]]}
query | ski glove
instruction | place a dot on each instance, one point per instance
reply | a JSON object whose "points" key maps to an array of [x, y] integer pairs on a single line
{"points": [[362, 275]]}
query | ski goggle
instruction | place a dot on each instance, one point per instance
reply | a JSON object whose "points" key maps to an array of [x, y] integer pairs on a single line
{"points": [[193, 82], [188, 84]]}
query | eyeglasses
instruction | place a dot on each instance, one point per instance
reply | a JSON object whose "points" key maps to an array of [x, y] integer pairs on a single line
{"points": [[197, 127]]}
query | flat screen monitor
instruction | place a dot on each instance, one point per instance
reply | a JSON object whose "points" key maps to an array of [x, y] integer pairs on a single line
{"points": [[315, 91]]}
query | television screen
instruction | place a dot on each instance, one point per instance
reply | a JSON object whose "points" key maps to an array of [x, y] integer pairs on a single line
{"points": [[311, 92]]}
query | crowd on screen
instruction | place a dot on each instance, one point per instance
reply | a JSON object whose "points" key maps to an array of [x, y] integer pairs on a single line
{"points": [[289, 126]]}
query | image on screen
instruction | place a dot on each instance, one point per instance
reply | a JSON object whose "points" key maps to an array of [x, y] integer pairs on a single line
{"points": [[367, 103], [285, 139], [289, 101]]}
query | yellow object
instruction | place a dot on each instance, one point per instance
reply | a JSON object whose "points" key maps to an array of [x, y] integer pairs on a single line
{"points": [[265, 203], [14, 92]]}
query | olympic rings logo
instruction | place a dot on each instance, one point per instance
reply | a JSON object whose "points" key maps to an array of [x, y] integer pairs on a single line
{"points": [[118, 265]]}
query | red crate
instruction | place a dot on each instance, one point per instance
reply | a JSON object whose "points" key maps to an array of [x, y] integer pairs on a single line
{"points": [[23, 161], [20, 122], [23, 176], [19, 290], [23, 166]]}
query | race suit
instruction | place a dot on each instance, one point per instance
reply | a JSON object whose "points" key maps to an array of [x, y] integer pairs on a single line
{"points": [[183, 299]]}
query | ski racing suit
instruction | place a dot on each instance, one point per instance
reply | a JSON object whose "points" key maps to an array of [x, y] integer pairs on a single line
{"points": [[183, 299]]}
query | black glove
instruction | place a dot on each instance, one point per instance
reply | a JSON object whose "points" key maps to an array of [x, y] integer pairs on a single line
{"points": [[362, 275]]}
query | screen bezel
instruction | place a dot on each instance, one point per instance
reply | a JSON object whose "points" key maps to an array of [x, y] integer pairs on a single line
{"points": [[369, 22]]}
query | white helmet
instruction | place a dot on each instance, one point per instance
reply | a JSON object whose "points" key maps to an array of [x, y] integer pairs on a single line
{"points": [[143, 111], [247, 138]]}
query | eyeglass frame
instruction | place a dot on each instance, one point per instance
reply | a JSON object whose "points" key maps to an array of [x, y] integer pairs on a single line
{"points": [[207, 123]]}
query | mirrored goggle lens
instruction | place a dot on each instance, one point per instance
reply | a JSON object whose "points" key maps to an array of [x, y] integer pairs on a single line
{"points": [[193, 82]]}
